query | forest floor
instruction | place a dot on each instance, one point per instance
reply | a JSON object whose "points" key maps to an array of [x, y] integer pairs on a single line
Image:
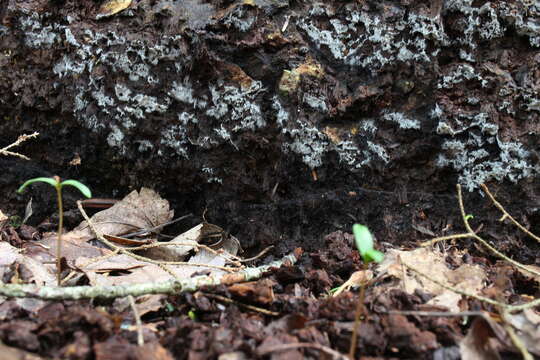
{"points": [[444, 299]]}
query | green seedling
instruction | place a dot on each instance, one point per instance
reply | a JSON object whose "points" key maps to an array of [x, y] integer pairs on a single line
{"points": [[364, 243], [58, 185], [192, 315]]}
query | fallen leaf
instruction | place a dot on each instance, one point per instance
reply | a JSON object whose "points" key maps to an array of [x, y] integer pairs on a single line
{"points": [[177, 253], [468, 278], [128, 270], [144, 304], [138, 210], [112, 7], [38, 272], [357, 278], [256, 291], [481, 340], [527, 324]]}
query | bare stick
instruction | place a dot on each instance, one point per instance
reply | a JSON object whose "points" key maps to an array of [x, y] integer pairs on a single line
{"points": [[171, 287], [507, 215], [444, 238], [433, 313], [140, 337], [20, 140], [484, 242]]}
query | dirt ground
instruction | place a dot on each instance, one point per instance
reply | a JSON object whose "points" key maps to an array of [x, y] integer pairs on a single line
{"points": [[292, 305]]}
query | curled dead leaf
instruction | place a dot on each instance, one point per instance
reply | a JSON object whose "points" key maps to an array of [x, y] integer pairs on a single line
{"points": [[112, 7]]}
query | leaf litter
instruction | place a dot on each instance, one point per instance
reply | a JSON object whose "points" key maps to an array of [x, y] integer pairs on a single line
{"points": [[409, 315]]}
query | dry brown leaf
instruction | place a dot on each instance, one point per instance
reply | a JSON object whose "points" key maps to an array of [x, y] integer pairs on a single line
{"points": [[128, 270], [112, 7], [527, 324], [481, 340], [144, 303], [74, 246], [38, 272], [136, 211], [176, 253], [468, 278], [357, 278]]}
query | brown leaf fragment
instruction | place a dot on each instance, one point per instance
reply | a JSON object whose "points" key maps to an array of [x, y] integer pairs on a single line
{"points": [[188, 239], [138, 210], [257, 291], [112, 7], [144, 304], [527, 324], [467, 278], [481, 341]]}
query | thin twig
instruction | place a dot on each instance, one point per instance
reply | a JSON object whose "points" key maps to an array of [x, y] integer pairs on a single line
{"points": [[140, 337], [20, 139], [282, 347], [484, 242], [158, 227], [513, 337], [170, 287], [507, 215], [256, 256], [358, 312], [444, 238], [247, 306]]}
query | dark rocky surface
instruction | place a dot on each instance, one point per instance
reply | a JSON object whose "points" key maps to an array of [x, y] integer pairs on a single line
{"points": [[286, 120]]}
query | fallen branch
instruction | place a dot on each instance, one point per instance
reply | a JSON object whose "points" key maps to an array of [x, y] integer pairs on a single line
{"points": [[170, 287], [472, 234], [507, 215], [5, 151]]}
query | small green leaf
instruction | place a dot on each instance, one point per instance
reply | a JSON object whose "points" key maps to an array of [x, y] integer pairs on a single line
{"points": [[374, 255], [362, 238], [47, 180], [469, 217], [364, 243], [82, 188], [192, 315]]}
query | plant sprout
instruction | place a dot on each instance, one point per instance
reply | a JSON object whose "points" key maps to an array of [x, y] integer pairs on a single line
{"points": [[58, 185], [364, 243]]}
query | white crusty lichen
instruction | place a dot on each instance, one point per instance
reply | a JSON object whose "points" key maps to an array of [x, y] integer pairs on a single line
{"points": [[403, 121], [310, 143], [459, 74], [364, 39], [477, 153]]}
